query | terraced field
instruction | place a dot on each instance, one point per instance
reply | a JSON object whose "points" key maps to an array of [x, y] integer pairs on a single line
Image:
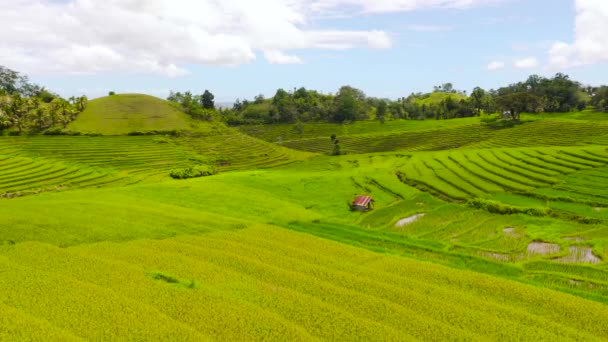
{"points": [[547, 133], [534, 133], [134, 155], [43, 162], [234, 151], [267, 283], [289, 132], [467, 174], [20, 175]]}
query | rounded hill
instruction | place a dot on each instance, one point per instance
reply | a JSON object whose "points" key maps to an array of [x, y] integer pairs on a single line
{"points": [[437, 97], [121, 114]]}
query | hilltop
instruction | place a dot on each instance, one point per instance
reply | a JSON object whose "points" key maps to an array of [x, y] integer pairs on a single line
{"points": [[437, 97], [125, 113]]}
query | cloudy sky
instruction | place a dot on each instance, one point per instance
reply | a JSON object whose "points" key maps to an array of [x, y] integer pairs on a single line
{"points": [[240, 48]]}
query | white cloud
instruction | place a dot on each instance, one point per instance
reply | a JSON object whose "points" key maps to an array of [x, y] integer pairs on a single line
{"points": [[165, 36], [161, 36], [430, 28], [384, 6], [590, 45], [526, 63], [279, 57], [495, 65]]}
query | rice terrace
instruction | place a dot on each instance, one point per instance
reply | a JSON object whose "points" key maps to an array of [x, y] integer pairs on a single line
{"points": [[303, 215]]}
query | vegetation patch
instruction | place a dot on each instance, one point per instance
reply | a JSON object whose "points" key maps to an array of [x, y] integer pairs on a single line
{"points": [[194, 172], [171, 279]]}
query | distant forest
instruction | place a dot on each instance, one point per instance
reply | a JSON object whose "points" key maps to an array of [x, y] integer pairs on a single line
{"points": [[537, 94]]}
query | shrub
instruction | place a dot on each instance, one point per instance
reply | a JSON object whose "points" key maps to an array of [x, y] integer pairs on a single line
{"points": [[503, 209], [173, 133], [489, 119], [161, 140], [194, 172], [112, 93], [61, 131], [336, 151]]}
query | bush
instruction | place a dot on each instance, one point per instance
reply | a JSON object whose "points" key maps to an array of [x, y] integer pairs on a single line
{"points": [[60, 131], [194, 172], [111, 93], [489, 119], [503, 209], [162, 140], [173, 133]]}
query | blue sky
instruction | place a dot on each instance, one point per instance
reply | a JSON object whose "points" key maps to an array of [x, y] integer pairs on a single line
{"points": [[391, 52]]}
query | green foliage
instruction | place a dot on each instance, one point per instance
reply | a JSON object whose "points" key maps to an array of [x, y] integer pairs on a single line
{"points": [[194, 172], [34, 114], [502, 209], [199, 107], [538, 94], [381, 111], [516, 103], [207, 100], [599, 98]]}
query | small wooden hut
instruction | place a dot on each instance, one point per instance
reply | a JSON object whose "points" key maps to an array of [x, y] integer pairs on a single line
{"points": [[363, 203]]}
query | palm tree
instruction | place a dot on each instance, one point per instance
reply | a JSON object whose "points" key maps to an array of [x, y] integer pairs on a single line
{"points": [[41, 116], [18, 110], [5, 119], [64, 112]]}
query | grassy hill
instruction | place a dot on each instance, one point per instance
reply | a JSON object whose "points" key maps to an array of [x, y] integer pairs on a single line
{"points": [[121, 114], [437, 97]]}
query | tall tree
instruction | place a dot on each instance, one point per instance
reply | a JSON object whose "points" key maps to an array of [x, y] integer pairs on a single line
{"points": [[9, 80], [349, 104], [207, 100], [477, 98], [381, 111]]}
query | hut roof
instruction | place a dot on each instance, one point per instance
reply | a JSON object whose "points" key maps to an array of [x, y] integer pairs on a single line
{"points": [[362, 200]]}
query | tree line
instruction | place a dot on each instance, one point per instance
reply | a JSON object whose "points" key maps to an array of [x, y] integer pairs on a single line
{"points": [[28, 107], [537, 94]]}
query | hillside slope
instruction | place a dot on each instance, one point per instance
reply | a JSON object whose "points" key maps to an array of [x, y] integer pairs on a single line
{"points": [[121, 114], [201, 275]]}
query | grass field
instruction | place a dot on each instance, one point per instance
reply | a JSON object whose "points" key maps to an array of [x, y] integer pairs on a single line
{"points": [[478, 232]]}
